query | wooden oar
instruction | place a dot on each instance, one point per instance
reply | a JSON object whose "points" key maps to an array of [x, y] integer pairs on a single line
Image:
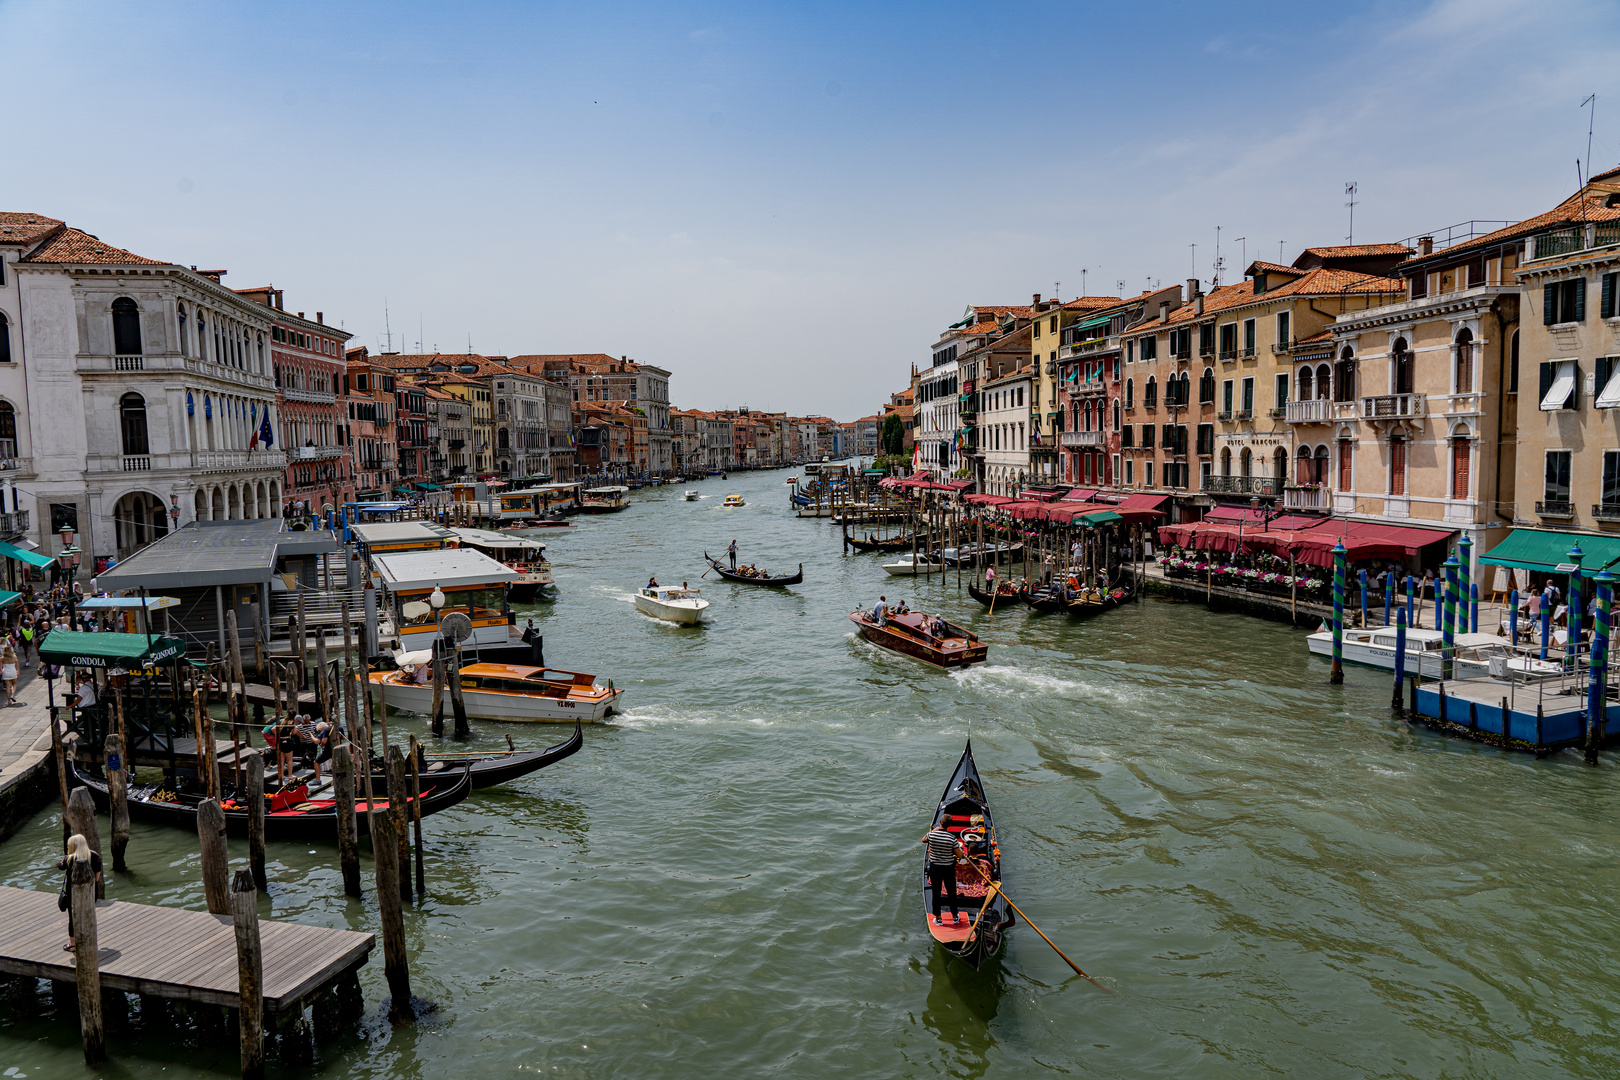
{"points": [[995, 887], [995, 593]]}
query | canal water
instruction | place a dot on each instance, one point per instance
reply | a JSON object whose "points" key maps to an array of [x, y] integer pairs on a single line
{"points": [[1274, 875]]}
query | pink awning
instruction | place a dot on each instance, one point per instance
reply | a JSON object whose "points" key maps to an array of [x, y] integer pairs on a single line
{"points": [[1079, 495]]}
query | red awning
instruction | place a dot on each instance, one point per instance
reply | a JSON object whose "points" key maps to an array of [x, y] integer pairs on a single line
{"points": [[1080, 495], [958, 485], [1037, 496], [988, 500], [1143, 501]]}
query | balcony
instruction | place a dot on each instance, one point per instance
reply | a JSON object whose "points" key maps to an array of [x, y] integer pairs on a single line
{"points": [[1084, 438], [14, 523], [1606, 511], [1265, 486], [1392, 407], [1247, 354], [1225, 416], [312, 397], [1555, 509], [1310, 497], [1228, 356], [238, 460], [1319, 411], [457, 444], [1091, 388], [1245, 414], [318, 453]]}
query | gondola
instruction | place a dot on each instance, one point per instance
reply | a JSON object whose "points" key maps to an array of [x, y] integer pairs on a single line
{"points": [[490, 771], [1016, 596], [1048, 599], [312, 820], [897, 543], [1085, 606], [980, 931], [744, 579]]}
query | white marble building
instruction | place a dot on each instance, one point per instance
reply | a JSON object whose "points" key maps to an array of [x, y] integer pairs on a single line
{"points": [[139, 388]]}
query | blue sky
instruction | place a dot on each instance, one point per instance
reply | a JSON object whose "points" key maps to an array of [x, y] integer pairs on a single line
{"points": [[783, 204]]}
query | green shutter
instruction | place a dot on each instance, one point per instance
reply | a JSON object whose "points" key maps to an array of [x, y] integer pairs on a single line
{"points": [[1606, 303], [1549, 308], [1546, 381], [1578, 286]]}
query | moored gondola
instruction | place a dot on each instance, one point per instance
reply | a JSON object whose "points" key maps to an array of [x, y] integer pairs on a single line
{"points": [[964, 811], [489, 771], [894, 543], [745, 579], [1004, 595], [290, 815], [1048, 599]]}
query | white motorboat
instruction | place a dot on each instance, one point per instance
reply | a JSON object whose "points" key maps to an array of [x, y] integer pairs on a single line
{"points": [[672, 603], [500, 691], [1375, 647], [906, 567], [526, 557], [691, 495], [1498, 661]]}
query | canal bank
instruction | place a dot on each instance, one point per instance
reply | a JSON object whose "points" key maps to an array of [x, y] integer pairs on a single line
{"points": [[1271, 870]]}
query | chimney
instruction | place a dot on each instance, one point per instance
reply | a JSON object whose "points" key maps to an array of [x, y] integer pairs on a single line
{"points": [[1192, 289], [300, 314], [1164, 311], [320, 317], [1036, 302], [1198, 304], [1425, 246]]}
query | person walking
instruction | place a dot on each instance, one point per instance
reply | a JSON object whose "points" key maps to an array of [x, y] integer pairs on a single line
{"points": [[8, 673], [942, 852]]}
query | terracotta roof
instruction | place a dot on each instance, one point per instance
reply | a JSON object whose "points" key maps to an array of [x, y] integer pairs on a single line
{"points": [[1585, 205], [1325, 335], [1277, 268], [69, 245], [1090, 303], [20, 228], [1351, 251], [1319, 282]]}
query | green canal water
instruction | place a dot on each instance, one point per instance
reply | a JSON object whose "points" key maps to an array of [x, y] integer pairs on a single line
{"points": [[1275, 875]]}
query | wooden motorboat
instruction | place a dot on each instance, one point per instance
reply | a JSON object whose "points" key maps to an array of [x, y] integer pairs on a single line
{"points": [[1006, 595], [964, 811], [502, 768], [734, 500], [894, 543], [517, 692], [289, 815], [912, 635], [672, 603], [753, 579]]}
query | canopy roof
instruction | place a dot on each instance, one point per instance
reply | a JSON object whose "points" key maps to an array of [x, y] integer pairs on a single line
{"points": [[450, 568], [79, 649], [150, 603], [1546, 550], [206, 553], [1312, 545], [32, 558]]}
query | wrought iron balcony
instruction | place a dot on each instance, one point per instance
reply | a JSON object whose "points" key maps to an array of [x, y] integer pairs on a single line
{"points": [[14, 523], [1265, 486], [1553, 508]]}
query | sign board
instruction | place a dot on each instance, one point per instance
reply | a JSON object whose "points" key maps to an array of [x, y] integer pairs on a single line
{"points": [[1566, 568]]}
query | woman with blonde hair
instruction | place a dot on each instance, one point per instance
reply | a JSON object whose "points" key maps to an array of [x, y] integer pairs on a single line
{"points": [[8, 672], [78, 851]]}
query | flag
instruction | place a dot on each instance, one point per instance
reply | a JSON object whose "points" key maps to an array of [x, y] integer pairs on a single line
{"points": [[263, 434]]}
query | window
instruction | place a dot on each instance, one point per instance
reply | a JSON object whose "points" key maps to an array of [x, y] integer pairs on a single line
{"points": [[1464, 366], [132, 422], [1460, 448], [5, 340], [1206, 387], [1558, 379], [1248, 337], [1129, 470], [1282, 389], [1115, 463], [1607, 382], [1181, 343], [1611, 478], [1130, 352], [1346, 388], [1130, 393], [1401, 359], [1127, 438], [1556, 489], [126, 319], [1606, 301], [1116, 414], [1147, 436], [1564, 301], [1167, 437], [1226, 397], [1397, 467], [1150, 394], [1206, 439], [1150, 349], [1347, 457], [1229, 341], [1206, 339], [1283, 320], [1248, 396], [1304, 383], [1147, 473]]}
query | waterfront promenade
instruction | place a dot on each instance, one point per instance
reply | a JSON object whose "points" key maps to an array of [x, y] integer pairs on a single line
{"points": [[25, 751]]}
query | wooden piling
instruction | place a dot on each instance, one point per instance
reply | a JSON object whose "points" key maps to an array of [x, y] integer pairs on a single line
{"points": [[343, 790], [81, 818], [320, 667], [86, 970], [416, 812], [256, 811], [348, 635], [215, 874], [385, 859], [438, 690], [117, 798], [249, 973], [457, 704], [399, 809]]}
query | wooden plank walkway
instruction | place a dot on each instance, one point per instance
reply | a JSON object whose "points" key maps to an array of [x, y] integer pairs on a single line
{"points": [[173, 953]]}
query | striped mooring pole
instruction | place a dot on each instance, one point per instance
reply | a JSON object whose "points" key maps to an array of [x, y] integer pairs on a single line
{"points": [[1448, 617], [1546, 620], [1411, 598], [1389, 595], [1338, 613], [1597, 687], [1400, 659], [1465, 551]]}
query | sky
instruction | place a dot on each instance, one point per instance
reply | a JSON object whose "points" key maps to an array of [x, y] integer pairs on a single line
{"points": [[783, 204]]}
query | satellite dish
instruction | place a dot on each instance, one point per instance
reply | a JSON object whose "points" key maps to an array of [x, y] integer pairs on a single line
{"points": [[456, 626]]}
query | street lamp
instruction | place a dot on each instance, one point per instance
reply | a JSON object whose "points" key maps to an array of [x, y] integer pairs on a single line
{"points": [[174, 512], [68, 557]]}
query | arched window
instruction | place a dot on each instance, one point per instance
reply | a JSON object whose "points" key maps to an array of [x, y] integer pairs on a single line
{"points": [[1401, 361], [1226, 461], [202, 335], [503, 441], [1246, 463], [1304, 383], [132, 422], [1346, 390], [1150, 393], [1206, 387], [180, 322], [1324, 382], [1465, 361], [126, 319], [8, 430], [1116, 414], [1185, 393], [1321, 474], [1460, 461], [1130, 393], [1279, 465]]}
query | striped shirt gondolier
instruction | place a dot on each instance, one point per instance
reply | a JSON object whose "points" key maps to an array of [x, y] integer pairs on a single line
{"points": [[941, 847]]}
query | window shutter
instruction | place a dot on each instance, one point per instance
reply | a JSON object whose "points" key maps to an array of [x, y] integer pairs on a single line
{"points": [[1606, 302], [1578, 287], [1600, 373], [1549, 309], [1546, 381]]}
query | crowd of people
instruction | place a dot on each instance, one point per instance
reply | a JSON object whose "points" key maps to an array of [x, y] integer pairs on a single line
{"points": [[26, 623]]}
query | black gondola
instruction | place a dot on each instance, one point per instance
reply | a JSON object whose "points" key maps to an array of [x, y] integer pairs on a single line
{"points": [[744, 579], [1001, 600], [487, 772], [1048, 599], [303, 822], [965, 812], [897, 543]]}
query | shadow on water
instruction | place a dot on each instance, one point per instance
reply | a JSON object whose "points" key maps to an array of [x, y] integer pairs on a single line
{"points": [[961, 1007]]}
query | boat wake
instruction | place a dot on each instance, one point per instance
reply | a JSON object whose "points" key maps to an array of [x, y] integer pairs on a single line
{"points": [[1007, 680]]}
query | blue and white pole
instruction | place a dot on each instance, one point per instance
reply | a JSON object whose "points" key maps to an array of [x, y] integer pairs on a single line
{"points": [[1363, 577]]}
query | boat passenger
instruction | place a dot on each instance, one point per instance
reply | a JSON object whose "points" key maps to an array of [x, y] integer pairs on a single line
{"points": [[880, 611], [652, 583], [942, 851]]}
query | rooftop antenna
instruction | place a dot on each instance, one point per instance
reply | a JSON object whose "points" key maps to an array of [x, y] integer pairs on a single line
{"points": [[1194, 259], [1082, 281], [1350, 190], [1280, 244], [1057, 291], [1591, 100], [1220, 264], [1119, 286], [388, 332], [1244, 240]]}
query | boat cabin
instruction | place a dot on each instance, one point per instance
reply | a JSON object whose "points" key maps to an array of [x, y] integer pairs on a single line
{"points": [[385, 537], [537, 502], [598, 499], [515, 552], [473, 584]]}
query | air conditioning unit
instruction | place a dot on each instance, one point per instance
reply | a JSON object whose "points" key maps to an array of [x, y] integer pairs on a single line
{"points": [[1497, 665]]}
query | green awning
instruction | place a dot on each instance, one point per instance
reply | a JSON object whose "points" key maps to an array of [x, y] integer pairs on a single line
{"points": [[8, 598], [427, 487], [1097, 517], [1100, 320], [79, 649], [32, 558], [1546, 549]]}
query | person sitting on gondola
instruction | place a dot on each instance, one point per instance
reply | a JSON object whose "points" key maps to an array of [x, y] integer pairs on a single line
{"points": [[942, 852]]}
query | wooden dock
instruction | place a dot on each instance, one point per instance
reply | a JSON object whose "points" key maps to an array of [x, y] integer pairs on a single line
{"points": [[177, 954]]}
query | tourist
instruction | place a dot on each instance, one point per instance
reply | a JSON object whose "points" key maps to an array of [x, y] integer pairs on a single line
{"points": [[27, 635], [8, 673], [78, 851], [652, 583], [880, 611], [942, 849], [285, 734]]}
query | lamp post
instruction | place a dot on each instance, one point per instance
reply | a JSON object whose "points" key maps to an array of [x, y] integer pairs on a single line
{"points": [[174, 512], [68, 558]]}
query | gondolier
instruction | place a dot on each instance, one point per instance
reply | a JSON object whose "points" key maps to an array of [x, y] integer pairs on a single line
{"points": [[942, 852], [731, 551]]}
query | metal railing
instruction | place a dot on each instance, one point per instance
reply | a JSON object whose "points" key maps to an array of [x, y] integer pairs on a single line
{"points": [[1316, 497], [1606, 511], [319, 453], [1267, 486], [1084, 438], [1555, 508], [14, 523]]}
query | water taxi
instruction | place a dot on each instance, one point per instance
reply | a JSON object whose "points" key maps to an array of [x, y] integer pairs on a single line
{"points": [[909, 565], [734, 500], [526, 557], [467, 582], [539, 503], [691, 495], [672, 603], [792, 480], [923, 637], [604, 500], [500, 691], [1477, 655]]}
